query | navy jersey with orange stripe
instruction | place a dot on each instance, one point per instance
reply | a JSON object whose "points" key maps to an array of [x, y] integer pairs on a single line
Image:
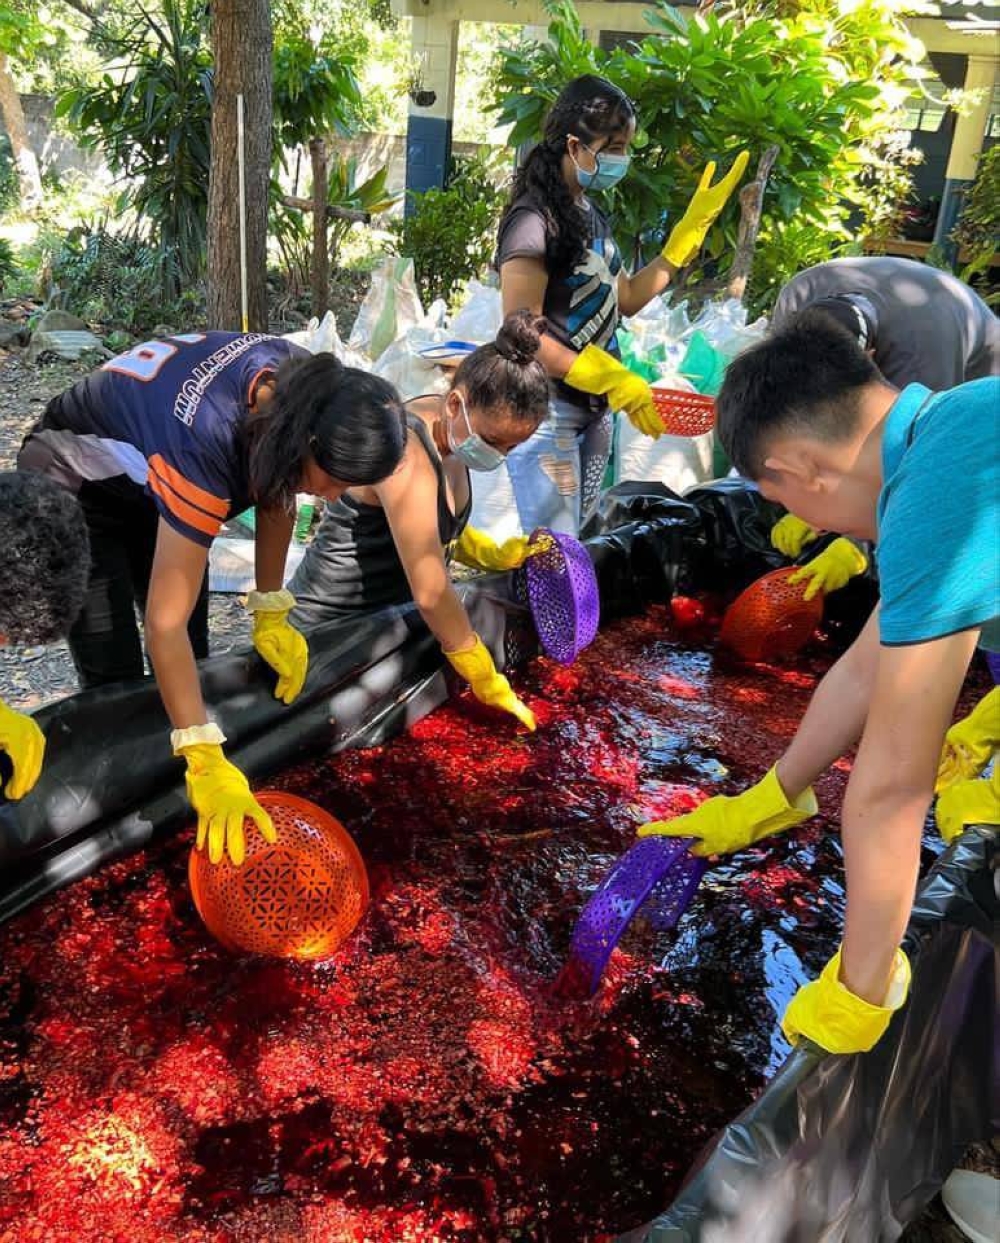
{"points": [[169, 414]]}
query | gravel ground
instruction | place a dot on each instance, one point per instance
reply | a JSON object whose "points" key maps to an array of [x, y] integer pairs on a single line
{"points": [[32, 677]]}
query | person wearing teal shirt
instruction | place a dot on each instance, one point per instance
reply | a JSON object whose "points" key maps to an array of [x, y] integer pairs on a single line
{"points": [[807, 415]]}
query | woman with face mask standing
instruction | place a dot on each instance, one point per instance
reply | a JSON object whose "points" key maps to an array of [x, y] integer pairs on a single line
{"points": [[389, 543], [556, 256]]}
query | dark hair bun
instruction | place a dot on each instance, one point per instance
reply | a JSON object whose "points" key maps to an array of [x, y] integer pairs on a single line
{"points": [[520, 337]]}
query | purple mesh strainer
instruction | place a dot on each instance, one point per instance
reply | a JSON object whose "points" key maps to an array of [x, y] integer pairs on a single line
{"points": [[658, 876], [562, 593]]}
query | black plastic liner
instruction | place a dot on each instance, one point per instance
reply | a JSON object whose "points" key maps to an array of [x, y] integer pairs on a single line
{"points": [[836, 1148], [851, 1149]]}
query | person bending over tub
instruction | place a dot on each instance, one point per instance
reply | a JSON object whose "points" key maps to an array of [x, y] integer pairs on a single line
{"points": [[390, 542]]}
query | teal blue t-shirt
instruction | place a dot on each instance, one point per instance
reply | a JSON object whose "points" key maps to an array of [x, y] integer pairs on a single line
{"points": [[939, 514]]}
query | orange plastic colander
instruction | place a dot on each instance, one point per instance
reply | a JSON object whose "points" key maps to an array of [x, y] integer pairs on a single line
{"points": [[683, 413], [770, 619], [299, 898]]}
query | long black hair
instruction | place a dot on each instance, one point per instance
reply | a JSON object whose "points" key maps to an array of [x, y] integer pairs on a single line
{"points": [[506, 373], [351, 423], [588, 108]]}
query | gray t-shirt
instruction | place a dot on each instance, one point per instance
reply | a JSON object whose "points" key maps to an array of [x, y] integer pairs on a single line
{"points": [[932, 329], [581, 305]]}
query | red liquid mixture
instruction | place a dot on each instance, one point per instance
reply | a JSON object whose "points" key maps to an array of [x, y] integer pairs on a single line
{"points": [[427, 1084]]}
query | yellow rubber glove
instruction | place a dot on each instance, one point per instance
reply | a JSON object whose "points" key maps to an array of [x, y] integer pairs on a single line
{"points": [[595, 371], [968, 802], [790, 535], [476, 549], [278, 642], [220, 794], [831, 1015], [24, 742], [706, 203], [970, 742], [475, 664], [728, 823], [832, 569]]}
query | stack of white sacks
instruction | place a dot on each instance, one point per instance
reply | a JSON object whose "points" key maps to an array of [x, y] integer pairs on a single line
{"points": [[393, 328]]}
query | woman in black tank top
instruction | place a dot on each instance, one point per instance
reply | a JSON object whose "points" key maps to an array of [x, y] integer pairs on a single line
{"points": [[389, 544]]}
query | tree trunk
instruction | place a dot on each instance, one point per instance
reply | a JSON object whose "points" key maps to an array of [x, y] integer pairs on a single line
{"points": [[25, 160], [241, 45], [320, 250]]}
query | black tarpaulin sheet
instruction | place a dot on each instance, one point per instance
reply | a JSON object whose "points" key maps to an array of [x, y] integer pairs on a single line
{"points": [[851, 1149]]}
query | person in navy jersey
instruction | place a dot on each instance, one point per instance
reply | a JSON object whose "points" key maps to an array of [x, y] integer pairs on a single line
{"points": [[161, 445]]}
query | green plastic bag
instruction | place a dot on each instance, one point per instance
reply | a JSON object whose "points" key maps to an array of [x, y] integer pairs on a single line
{"points": [[703, 365]]}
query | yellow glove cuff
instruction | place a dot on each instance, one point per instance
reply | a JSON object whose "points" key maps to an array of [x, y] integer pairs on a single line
{"points": [[771, 810], [985, 718], [196, 735], [271, 601], [474, 663], [594, 371]]}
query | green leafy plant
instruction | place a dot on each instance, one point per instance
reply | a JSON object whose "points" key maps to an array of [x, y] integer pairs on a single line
{"points": [[451, 233], [292, 229], [116, 279], [8, 264], [152, 119], [9, 188], [978, 230], [817, 79]]}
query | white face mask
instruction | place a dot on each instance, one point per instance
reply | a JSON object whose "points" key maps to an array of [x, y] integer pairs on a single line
{"points": [[471, 449]]}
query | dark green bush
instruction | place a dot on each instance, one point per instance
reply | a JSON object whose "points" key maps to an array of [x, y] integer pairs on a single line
{"points": [[451, 233]]}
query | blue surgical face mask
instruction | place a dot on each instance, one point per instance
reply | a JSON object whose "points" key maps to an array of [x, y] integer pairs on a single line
{"points": [[610, 169], [472, 449]]}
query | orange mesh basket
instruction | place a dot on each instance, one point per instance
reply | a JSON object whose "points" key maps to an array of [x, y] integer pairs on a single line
{"points": [[684, 414], [299, 898], [770, 619]]}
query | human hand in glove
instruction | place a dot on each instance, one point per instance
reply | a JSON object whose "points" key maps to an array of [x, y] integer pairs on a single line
{"points": [[475, 664], [828, 1013], [691, 230], [24, 742], [968, 802], [596, 371], [278, 642], [725, 824], [832, 569], [970, 743], [476, 549], [790, 535], [220, 794]]}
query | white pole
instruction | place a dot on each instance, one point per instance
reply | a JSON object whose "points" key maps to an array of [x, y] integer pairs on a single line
{"points": [[240, 133]]}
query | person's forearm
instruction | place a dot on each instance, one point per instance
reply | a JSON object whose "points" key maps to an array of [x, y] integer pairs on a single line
{"points": [[555, 357], [881, 834], [273, 535], [836, 715], [176, 675], [635, 292], [446, 618]]}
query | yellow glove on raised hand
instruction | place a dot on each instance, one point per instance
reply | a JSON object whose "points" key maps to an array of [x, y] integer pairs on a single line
{"points": [[970, 742], [219, 793], [790, 535], [968, 802], [724, 824], [24, 742], [832, 569], [475, 664], [278, 642], [476, 549], [595, 371], [707, 201], [834, 1018]]}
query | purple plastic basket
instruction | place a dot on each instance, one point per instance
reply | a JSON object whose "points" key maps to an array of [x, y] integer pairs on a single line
{"points": [[562, 593], [658, 876]]}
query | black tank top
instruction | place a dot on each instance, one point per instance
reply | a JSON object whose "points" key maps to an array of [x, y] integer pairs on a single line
{"points": [[352, 564]]}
